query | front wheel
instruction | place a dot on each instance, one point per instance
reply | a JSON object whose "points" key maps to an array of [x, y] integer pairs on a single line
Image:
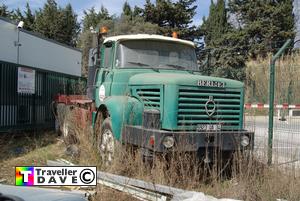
{"points": [[107, 144]]}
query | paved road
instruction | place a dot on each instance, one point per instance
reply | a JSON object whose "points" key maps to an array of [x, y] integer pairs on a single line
{"points": [[286, 142]]}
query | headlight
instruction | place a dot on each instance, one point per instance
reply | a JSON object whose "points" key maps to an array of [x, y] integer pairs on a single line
{"points": [[168, 142], [245, 141]]}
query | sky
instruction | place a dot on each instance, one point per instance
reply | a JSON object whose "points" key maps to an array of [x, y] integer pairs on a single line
{"points": [[113, 6]]}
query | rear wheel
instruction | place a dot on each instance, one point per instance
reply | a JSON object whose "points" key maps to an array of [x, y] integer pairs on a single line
{"points": [[66, 125], [67, 129], [69, 134]]}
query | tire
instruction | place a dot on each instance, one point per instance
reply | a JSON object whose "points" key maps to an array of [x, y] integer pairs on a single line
{"points": [[68, 134], [67, 130], [60, 117], [107, 145]]}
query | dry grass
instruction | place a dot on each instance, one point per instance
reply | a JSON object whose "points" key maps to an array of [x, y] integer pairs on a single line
{"points": [[249, 180], [34, 149], [287, 79], [13, 145], [246, 180], [27, 150]]}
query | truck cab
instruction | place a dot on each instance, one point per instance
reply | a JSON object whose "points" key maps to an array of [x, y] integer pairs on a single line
{"points": [[150, 94]]}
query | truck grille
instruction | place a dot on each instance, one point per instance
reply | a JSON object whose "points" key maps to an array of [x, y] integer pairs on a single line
{"points": [[192, 112], [150, 97]]}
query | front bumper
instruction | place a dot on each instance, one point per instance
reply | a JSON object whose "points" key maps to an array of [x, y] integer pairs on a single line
{"points": [[186, 140]]}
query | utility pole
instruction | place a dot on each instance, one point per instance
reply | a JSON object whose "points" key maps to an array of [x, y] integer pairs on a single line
{"points": [[17, 43]]}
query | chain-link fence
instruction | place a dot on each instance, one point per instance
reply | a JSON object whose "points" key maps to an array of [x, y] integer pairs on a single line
{"points": [[286, 127]]}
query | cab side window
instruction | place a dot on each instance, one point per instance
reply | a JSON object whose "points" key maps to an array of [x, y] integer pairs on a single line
{"points": [[107, 57]]}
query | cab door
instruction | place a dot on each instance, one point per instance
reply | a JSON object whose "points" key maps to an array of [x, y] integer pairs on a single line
{"points": [[105, 73]]}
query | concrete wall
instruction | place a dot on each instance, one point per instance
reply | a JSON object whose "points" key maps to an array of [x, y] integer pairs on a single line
{"points": [[36, 51]]}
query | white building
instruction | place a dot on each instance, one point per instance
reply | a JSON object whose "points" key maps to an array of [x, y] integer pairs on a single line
{"points": [[37, 51], [33, 69]]}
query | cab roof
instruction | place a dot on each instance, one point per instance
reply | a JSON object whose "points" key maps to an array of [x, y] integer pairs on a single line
{"points": [[148, 37]]}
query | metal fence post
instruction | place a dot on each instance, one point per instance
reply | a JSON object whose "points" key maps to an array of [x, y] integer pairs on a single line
{"points": [[271, 98]]}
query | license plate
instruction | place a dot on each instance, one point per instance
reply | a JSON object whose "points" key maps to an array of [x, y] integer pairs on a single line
{"points": [[209, 127]]}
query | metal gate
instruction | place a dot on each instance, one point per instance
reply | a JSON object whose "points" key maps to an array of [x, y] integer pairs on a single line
{"points": [[22, 111]]}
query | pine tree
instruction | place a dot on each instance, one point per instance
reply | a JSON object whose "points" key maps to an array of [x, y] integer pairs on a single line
{"points": [[216, 25], [27, 17], [127, 9], [172, 16], [267, 24], [17, 15], [224, 44], [92, 18], [47, 20], [184, 11], [4, 12], [150, 13], [131, 25], [137, 11], [262, 27], [69, 26], [57, 23], [230, 55]]}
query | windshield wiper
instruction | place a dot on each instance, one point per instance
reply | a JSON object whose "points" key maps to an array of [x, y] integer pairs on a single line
{"points": [[176, 66], [137, 63]]}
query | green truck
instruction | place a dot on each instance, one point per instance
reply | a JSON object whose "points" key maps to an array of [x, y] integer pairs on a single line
{"points": [[147, 92]]}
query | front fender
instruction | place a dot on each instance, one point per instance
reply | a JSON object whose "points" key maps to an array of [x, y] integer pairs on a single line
{"points": [[123, 110]]}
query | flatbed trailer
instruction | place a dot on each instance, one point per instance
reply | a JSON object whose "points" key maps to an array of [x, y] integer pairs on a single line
{"points": [[81, 108]]}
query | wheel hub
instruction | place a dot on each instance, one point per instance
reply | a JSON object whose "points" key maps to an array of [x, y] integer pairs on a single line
{"points": [[107, 146]]}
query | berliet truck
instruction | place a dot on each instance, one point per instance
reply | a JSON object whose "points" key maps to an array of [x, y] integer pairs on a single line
{"points": [[146, 91]]}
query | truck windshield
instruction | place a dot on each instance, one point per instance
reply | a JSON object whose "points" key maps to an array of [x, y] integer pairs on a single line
{"points": [[155, 54]]}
